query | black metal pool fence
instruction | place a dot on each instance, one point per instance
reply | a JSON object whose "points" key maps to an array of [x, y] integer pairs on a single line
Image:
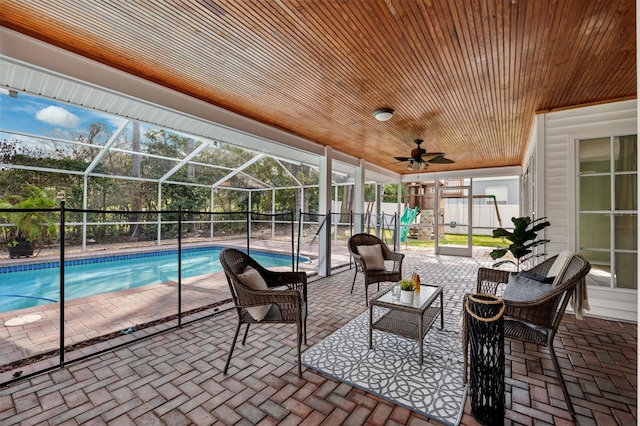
{"points": [[88, 228]]}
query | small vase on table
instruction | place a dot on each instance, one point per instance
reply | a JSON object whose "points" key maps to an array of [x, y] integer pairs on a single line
{"points": [[406, 296]]}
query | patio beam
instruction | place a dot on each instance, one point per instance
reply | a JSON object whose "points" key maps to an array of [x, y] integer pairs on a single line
{"points": [[107, 146], [239, 169], [288, 172], [184, 161]]}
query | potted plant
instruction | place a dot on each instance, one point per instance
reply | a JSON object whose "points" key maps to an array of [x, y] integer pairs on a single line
{"points": [[24, 232], [406, 291], [523, 240]]}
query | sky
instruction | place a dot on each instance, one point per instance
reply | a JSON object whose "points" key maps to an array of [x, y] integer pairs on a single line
{"points": [[46, 117]]}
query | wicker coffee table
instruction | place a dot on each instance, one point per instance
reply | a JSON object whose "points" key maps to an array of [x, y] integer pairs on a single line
{"points": [[413, 320]]}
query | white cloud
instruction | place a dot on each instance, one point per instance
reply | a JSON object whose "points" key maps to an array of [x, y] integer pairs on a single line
{"points": [[58, 117]]}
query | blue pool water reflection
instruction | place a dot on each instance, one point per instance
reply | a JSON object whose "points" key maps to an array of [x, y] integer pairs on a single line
{"points": [[40, 284]]}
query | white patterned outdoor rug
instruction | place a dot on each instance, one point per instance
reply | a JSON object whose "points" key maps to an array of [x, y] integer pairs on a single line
{"points": [[391, 369]]}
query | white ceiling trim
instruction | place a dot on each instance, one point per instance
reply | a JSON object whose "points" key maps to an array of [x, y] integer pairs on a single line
{"points": [[460, 174]]}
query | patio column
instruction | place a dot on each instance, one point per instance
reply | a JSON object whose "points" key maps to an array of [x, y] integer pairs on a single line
{"points": [[301, 228], [358, 198], [539, 155], [378, 207], [324, 211], [334, 205], [85, 204], [396, 233], [211, 216], [159, 230], [250, 217]]}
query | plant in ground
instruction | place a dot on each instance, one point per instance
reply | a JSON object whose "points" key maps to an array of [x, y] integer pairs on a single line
{"points": [[33, 225]]}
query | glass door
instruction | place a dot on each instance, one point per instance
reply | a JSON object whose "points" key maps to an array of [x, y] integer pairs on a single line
{"points": [[454, 220], [608, 210]]}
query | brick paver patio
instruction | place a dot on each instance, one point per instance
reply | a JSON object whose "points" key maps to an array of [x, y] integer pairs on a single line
{"points": [[175, 377]]}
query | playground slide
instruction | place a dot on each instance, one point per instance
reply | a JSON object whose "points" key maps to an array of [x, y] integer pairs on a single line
{"points": [[406, 220]]}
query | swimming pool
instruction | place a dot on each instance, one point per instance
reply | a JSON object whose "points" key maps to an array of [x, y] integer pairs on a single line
{"points": [[25, 286]]}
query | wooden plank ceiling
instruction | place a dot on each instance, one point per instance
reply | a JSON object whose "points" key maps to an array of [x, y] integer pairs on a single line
{"points": [[465, 76]]}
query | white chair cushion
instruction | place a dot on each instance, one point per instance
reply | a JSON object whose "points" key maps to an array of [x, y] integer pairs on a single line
{"points": [[372, 256], [522, 289], [252, 279]]}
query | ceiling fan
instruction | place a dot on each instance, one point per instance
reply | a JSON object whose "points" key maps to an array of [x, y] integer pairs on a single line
{"points": [[420, 158]]}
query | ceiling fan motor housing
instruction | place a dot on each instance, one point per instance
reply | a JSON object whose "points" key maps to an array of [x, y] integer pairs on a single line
{"points": [[417, 157]]}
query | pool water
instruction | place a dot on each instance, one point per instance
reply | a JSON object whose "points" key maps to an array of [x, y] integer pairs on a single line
{"points": [[40, 284]]}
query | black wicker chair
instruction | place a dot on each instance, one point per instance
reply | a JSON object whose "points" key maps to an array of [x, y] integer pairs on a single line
{"points": [[536, 321], [378, 275], [287, 305]]}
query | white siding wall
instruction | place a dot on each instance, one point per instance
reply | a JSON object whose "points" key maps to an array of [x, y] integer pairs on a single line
{"points": [[557, 145]]}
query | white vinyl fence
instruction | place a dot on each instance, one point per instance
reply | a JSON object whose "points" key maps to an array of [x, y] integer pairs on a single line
{"points": [[485, 219]]}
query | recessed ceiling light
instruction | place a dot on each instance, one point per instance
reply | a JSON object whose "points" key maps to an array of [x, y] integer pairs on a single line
{"points": [[383, 114]]}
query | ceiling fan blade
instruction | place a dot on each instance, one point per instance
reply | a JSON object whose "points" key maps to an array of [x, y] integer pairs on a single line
{"points": [[420, 158], [441, 160], [431, 158]]}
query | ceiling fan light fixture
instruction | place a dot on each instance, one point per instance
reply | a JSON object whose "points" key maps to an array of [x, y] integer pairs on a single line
{"points": [[410, 165], [383, 114]]}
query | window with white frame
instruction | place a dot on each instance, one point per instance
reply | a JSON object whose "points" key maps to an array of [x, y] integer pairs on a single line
{"points": [[608, 210]]}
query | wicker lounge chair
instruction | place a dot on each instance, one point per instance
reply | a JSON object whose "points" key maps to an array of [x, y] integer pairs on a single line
{"points": [[536, 321], [281, 305], [374, 275]]}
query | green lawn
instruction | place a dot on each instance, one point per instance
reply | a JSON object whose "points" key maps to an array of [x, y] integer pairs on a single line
{"points": [[478, 240], [457, 239]]}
